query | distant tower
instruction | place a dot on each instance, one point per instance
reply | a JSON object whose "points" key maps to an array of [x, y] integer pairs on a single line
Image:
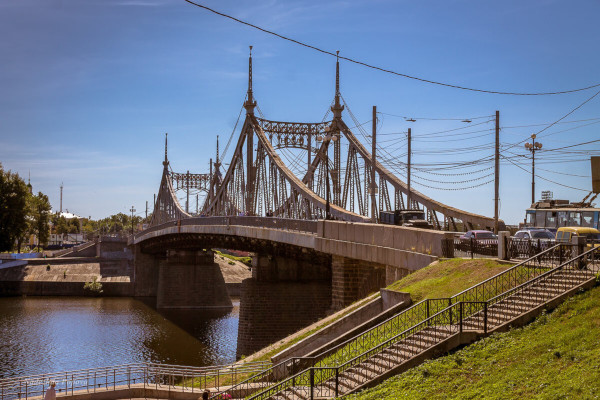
{"points": [[61, 190], [29, 183]]}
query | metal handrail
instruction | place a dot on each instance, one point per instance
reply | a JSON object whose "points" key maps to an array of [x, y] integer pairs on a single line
{"points": [[309, 226], [484, 306], [110, 378]]}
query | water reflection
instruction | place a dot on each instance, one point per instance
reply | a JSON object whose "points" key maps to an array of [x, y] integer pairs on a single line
{"points": [[47, 334]]}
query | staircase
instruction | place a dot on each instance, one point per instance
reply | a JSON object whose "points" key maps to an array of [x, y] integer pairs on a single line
{"points": [[429, 328]]}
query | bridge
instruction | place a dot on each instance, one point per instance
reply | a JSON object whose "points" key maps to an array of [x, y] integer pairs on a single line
{"points": [[311, 224]]}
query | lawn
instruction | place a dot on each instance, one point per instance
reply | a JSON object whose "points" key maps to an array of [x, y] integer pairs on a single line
{"points": [[555, 357]]}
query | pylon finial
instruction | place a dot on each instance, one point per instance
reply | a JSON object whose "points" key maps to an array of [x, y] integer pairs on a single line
{"points": [[250, 103], [337, 107], [166, 162]]}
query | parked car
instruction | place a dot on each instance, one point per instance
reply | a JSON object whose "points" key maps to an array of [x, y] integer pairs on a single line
{"points": [[478, 235], [529, 242], [565, 234], [478, 241]]}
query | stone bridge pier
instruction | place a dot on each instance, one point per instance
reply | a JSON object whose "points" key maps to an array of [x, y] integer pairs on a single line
{"points": [[285, 294], [180, 279]]}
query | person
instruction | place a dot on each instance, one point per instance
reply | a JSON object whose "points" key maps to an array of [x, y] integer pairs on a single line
{"points": [[51, 392], [205, 395]]}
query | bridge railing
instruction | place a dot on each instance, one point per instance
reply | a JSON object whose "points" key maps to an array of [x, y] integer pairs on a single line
{"points": [[309, 226], [145, 375]]}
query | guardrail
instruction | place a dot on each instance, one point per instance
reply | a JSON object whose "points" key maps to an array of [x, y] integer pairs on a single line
{"points": [[124, 376], [309, 226]]}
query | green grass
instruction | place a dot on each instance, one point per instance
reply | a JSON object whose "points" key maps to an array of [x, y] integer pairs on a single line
{"points": [[447, 278], [555, 357], [245, 260], [442, 279]]}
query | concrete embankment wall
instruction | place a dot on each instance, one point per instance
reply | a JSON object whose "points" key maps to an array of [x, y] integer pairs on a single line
{"points": [[66, 277], [41, 288], [365, 317]]}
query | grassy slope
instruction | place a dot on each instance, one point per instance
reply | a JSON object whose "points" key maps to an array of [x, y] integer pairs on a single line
{"points": [[447, 278], [245, 260], [555, 357]]}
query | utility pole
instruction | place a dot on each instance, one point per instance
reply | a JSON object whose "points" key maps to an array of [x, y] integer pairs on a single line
{"points": [[373, 160], [187, 190], [146, 209], [132, 211], [61, 190], [408, 205], [497, 173]]}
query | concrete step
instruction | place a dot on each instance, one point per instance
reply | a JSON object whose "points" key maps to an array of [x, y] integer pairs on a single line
{"points": [[360, 371]]}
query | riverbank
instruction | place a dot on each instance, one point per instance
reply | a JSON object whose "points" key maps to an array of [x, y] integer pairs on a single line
{"points": [[67, 276]]}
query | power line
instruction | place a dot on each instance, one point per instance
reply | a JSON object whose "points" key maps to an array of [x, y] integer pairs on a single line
{"points": [[558, 120], [546, 123], [383, 69], [545, 179], [436, 119], [574, 145]]}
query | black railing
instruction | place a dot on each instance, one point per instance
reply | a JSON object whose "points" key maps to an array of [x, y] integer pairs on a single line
{"points": [[525, 248], [482, 307], [475, 248]]}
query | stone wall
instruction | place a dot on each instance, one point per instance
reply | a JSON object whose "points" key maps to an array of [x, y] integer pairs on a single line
{"points": [[45, 288], [270, 311], [191, 279], [145, 273], [354, 279]]}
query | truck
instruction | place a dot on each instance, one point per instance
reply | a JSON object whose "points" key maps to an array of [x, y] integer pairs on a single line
{"points": [[412, 218]]}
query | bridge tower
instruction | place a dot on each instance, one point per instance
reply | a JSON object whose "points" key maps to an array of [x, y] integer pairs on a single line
{"points": [[249, 105], [336, 127]]}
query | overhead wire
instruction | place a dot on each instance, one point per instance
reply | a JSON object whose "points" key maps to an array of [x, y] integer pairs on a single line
{"points": [[388, 70], [545, 179]]}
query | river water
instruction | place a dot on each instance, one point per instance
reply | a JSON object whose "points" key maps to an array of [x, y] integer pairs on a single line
{"points": [[51, 334]]}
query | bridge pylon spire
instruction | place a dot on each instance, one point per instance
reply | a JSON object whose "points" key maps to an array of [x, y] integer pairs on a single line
{"points": [[166, 162], [337, 107], [217, 160], [250, 103]]}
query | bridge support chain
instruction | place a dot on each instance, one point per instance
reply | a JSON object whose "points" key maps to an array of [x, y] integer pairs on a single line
{"points": [[284, 295], [354, 279], [191, 279]]}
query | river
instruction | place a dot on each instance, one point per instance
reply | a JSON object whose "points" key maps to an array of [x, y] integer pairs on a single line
{"points": [[51, 334]]}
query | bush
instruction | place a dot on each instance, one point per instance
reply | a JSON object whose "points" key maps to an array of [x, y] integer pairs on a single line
{"points": [[94, 286]]}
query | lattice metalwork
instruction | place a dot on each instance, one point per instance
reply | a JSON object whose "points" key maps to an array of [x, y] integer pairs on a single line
{"points": [[259, 182]]}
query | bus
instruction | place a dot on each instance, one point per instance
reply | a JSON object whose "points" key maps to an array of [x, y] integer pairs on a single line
{"points": [[554, 214]]}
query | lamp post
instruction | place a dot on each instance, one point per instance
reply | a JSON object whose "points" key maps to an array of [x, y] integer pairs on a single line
{"points": [[330, 136], [132, 211], [533, 147]]}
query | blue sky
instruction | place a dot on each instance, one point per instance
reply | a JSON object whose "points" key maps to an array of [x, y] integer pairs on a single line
{"points": [[88, 88]]}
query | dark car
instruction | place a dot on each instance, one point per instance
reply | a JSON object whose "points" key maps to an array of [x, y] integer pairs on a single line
{"points": [[478, 241], [478, 235], [529, 242]]}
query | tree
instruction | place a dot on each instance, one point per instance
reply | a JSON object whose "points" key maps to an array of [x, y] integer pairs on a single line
{"points": [[13, 209], [74, 225], [40, 217]]}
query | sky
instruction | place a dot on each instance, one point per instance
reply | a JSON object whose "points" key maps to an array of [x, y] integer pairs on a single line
{"points": [[89, 88]]}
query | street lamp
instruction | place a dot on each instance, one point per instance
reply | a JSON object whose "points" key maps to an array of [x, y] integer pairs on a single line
{"points": [[132, 211], [533, 147], [330, 136]]}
